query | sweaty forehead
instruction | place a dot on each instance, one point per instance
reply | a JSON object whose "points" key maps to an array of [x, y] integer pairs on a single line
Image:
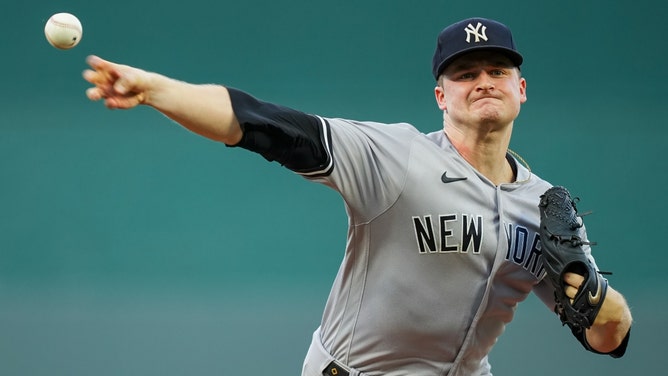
{"points": [[478, 59]]}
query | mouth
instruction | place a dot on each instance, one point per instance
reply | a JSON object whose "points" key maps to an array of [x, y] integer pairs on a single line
{"points": [[487, 101], [484, 98]]}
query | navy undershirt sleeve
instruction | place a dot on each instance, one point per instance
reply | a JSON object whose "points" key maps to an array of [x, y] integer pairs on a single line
{"points": [[292, 138]]}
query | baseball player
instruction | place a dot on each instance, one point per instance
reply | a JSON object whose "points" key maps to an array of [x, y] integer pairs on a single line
{"points": [[443, 236]]}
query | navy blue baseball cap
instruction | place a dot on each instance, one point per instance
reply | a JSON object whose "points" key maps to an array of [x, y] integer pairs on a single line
{"points": [[471, 35]]}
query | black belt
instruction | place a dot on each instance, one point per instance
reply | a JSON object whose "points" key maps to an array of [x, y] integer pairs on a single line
{"points": [[334, 369]]}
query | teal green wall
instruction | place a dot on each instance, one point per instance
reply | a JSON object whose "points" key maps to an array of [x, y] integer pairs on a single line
{"points": [[129, 246]]}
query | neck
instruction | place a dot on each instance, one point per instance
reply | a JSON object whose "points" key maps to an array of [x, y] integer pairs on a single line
{"points": [[485, 150]]}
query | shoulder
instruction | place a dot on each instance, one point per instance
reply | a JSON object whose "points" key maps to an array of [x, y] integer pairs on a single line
{"points": [[370, 135], [377, 134], [371, 127]]}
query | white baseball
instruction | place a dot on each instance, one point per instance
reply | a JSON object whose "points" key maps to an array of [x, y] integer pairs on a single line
{"points": [[63, 30]]}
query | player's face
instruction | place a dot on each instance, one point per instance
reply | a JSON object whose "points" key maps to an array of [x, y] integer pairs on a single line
{"points": [[481, 88]]}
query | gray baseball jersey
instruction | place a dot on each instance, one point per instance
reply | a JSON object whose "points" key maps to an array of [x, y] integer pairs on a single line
{"points": [[437, 256]]}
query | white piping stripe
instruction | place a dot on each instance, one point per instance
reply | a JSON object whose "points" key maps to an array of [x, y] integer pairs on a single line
{"points": [[328, 148]]}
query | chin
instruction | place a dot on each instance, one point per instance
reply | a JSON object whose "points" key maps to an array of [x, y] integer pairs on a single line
{"points": [[490, 116]]}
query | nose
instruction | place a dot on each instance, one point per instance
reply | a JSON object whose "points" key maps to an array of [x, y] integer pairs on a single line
{"points": [[485, 81]]}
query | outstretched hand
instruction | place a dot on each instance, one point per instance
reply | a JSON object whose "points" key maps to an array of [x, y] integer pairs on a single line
{"points": [[204, 109], [120, 86]]}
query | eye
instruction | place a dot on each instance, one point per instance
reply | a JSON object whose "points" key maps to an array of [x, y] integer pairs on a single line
{"points": [[498, 72]]}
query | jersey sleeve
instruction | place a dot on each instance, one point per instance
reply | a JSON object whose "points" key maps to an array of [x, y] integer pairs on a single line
{"points": [[365, 162], [371, 162], [296, 140]]}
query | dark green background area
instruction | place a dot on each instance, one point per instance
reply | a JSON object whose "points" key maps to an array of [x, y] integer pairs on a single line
{"points": [[129, 246]]}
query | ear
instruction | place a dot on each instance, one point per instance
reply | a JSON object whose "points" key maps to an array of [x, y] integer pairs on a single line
{"points": [[523, 90], [439, 94]]}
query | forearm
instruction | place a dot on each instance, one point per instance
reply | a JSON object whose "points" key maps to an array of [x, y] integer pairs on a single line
{"points": [[612, 323], [202, 109]]}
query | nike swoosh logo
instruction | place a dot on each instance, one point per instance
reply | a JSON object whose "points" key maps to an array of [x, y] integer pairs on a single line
{"points": [[446, 179], [596, 298]]}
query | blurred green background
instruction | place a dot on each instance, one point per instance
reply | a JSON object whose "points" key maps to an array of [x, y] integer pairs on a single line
{"points": [[129, 246]]}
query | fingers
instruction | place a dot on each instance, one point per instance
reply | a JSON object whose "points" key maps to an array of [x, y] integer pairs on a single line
{"points": [[572, 284], [102, 71], [119, 85], [94, 94], [573, 279], [570, 291], [95, 61], [102, 76], [107, 69]]}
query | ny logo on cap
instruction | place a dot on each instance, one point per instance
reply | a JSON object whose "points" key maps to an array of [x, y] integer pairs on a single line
{"points": [[477, 32]]}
